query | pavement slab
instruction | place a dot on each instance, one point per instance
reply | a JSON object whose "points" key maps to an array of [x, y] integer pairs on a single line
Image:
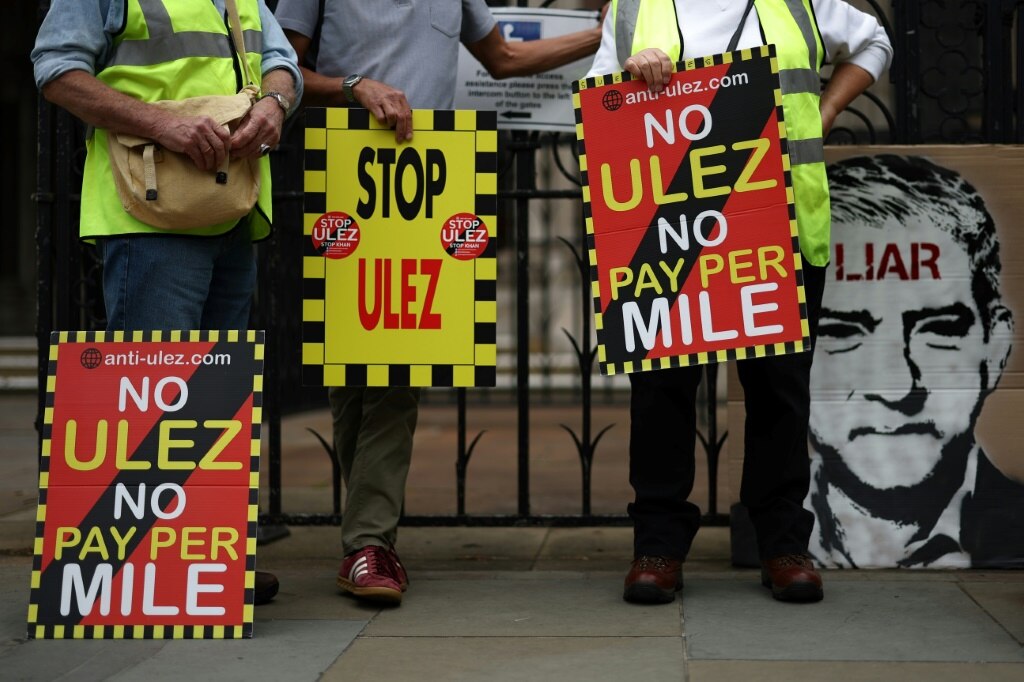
{"points": [[281, 650], [772, 671], [857, 621], [549, 607], [511, 659], [1002, 600]]}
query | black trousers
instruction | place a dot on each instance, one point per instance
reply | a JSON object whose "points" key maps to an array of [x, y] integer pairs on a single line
{"points": [[776, 468]]}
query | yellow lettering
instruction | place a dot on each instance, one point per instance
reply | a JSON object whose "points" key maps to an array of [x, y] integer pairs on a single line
{"points": [[231, 428], [735, 266], [188, 541], [760, 148], [647, 280], [121, 455], [710, 264], [609, 193], [619, 277], [71, 440], [94, 543], [774, 262], [659, 187], [164, 461], [66, 537], [673, 273], [121, 542], [159, 538], [223, 538], [699, 172]]}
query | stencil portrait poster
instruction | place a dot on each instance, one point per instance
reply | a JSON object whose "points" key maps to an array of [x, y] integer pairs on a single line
{"points": [[916, 386]]}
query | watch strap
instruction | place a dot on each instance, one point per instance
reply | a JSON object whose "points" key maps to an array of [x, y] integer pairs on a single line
{"points": [[280, 99], [347, 86]]}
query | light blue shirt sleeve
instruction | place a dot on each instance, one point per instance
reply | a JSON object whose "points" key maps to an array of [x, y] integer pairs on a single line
{"points": [[278, 52], [75, 36]]}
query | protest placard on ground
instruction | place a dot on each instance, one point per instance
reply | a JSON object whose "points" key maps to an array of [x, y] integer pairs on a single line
{"points": [[148, 486]]}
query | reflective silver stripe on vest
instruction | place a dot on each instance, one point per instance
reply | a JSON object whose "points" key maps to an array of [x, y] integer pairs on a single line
{"points": [[169, 48], [797, 81], [164, 45], [625, 28], [806, 151], [158, 21], [803, 20]]}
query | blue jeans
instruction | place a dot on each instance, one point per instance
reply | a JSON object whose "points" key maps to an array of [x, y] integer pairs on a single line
{"points": [[166, 282]]}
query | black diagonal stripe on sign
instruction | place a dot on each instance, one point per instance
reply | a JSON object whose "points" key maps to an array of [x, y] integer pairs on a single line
{"points": [[213, 393], [728, 127]]}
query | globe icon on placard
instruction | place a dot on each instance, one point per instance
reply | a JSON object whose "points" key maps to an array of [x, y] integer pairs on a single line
{"points": [[612, 100], [91, 358]]}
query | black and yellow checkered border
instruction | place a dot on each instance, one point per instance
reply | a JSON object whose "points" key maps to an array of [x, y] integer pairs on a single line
{"points": [[142, 631], [37, 631], [315, 371], [610, 368]]}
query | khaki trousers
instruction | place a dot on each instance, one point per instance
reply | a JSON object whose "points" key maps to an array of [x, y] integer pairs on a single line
{"points": [[373, 430]]}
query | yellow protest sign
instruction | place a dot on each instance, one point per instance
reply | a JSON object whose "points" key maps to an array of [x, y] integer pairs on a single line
{"points": [[399, 265]]}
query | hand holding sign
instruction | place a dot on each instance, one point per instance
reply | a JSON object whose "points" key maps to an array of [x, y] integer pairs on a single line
{"points": [[652, 66]]}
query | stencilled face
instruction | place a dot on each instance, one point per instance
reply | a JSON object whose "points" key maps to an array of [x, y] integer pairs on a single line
{"points": [[900, 365]]}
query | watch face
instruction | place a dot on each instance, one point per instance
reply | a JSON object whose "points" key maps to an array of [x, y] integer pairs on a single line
{"points": [[280, 99], [348, 84]]}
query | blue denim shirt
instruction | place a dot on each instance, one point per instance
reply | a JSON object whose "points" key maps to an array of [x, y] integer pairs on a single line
{"points": [[79, 35]]}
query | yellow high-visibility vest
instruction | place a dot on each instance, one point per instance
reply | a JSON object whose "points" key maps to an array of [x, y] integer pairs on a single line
{"points": [[170, 49], [791, 27]]}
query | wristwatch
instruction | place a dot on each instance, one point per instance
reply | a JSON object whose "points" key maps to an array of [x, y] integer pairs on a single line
{"points": [[348, 84], [280, 99]]}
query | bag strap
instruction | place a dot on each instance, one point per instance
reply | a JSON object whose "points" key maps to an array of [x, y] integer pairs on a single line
{"points": [[238, 38], [735, 36]]}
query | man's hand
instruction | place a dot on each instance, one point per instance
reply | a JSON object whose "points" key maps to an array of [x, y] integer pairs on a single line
{"points": [[261, 126], [260, 130], [199, 137], [387, 105], [652, 66]]}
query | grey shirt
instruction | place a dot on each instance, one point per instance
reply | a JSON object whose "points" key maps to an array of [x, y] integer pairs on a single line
{"points": [[412, 45]]}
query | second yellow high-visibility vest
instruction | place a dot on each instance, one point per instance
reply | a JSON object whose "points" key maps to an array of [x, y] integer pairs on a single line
{"points": [[790, 26]]}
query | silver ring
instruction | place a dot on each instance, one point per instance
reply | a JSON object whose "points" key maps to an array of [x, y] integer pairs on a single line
{"points": [[264, 148]]}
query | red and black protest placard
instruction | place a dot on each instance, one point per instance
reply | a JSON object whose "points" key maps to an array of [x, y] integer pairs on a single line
{"points": [[148, 486], [690, 218]]}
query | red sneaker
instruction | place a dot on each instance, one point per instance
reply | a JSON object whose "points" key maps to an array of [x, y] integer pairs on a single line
{"points": [[368, 574], [398, 570]]}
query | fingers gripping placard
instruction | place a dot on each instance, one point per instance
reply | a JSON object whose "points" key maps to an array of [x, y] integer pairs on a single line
{"points": [[399, 265], [690, 218], [148, 486]]}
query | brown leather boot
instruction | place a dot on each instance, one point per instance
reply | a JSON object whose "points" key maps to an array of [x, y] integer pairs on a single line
{"points": [[792, 577], [653, 580], [265, 588]]}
